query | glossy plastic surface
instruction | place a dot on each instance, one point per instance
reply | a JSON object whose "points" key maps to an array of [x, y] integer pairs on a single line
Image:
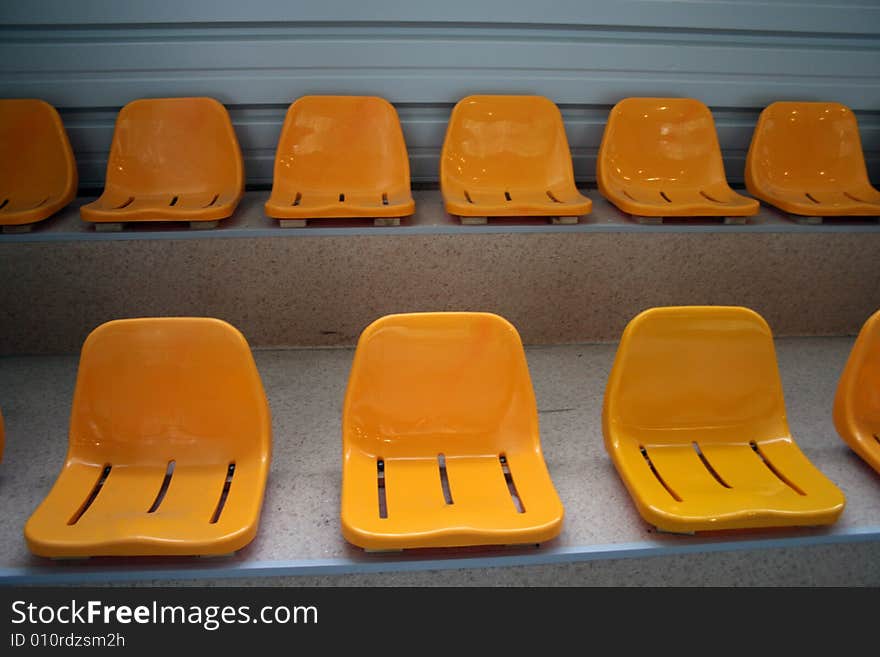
{"points": [[660, 157], [508, 156], [37, 171], [172, 159], [341, 156], [438, 407], [169, 446], [694, 420], [857, 403], [806, 159]]}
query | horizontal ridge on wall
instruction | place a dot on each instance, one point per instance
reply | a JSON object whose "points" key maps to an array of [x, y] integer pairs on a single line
{"points": [[257, 57]]}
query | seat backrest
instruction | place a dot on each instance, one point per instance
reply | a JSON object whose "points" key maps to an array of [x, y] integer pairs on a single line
{"points": [[428, 383], [663, 142], [174, 145], [689, 373], [341, 143], [506, 141], [857, 403], [153, 389], [806, 146], [36, 160]]}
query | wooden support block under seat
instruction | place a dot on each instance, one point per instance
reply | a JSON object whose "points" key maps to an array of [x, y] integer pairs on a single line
{"points": [[19, 228], [203, 225], [108, 227]]}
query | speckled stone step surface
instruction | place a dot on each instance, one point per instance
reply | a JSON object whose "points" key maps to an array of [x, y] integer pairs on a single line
{"points": [[323, 284], [603, 540]]}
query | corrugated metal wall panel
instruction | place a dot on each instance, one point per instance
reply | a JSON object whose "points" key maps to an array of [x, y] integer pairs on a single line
{"points": [[91, 57]]}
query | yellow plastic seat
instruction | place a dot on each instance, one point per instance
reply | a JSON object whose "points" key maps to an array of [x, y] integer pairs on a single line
{"points": [[341, 156], [172, 159], [440, 437], [694, 421], [508, 156], [857, 403], [38, 174], [660, 157], [169, 445], [806, 159]]}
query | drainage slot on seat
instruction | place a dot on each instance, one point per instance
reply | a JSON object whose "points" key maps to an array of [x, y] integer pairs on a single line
{"points": [[629, 196], [851, 197], [709, 198], [169, 471], [665, 198], [877, 438], [92, 495], [3, 204], [444, 479], [647, 458], [507, 196], [468, 197], [380, 483], [384, 198], [785, 480], [230, 471], [174, 201], [812, 198], [213, 200], [708, 466], [297, 199], [511, 486], [552, 197], [342, 198], [126, 203]]}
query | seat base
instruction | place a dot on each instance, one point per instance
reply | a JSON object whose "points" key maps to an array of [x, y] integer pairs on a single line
{"points": [[116, 207], [711, 201], [485, 500], [686, 488], [817, 204], [142, 510], [314, 205], [16, 212], [516, 203]]}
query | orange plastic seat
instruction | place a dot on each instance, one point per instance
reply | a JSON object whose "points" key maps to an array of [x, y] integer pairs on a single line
{"points": [[694, 421], [172, 159], [37, 171], [169, 446], [857, 403], [660, 157], [440, 437], [806, 159], [341, 156], [507, 156]]}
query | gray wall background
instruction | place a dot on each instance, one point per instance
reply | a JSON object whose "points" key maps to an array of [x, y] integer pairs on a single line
{"points": [[90, 57]]}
